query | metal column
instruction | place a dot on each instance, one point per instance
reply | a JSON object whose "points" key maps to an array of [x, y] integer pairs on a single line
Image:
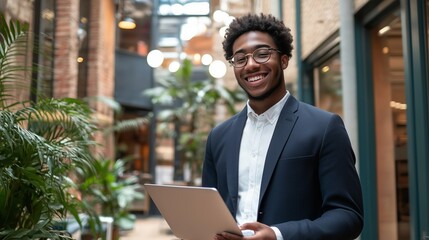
{"points": [[348, 71]]}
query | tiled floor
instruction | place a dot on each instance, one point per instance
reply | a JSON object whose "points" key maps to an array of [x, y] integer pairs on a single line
{"points": [[149, 228]]}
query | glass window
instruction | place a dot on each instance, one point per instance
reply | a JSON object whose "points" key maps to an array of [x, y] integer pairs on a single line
{"points": [[44, 24], [328, 87], [390, 127], [84, 19], [178, 7], [182, 28], [136, 38]]}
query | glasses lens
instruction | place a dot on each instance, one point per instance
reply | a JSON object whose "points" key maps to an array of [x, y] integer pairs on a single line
{"points": [[239, 60], [261, 55]]}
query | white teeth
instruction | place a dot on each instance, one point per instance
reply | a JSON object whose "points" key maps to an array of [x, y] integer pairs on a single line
{"points": [[254, 78]]}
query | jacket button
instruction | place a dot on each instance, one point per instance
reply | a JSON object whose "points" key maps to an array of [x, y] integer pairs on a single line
{"points": [[260, 213]]}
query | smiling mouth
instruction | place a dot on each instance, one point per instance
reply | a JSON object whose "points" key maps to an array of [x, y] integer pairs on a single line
{"points": [[255, 78]]}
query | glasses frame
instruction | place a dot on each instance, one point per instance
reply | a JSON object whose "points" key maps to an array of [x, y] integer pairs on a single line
{"points": [[231, 61]]}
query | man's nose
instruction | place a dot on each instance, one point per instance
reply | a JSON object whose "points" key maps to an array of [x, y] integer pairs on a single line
{"points": [[251, 62]]}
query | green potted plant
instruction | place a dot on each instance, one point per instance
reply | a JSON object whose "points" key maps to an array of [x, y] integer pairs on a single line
{"points": [[111, 193], [41, 144]]}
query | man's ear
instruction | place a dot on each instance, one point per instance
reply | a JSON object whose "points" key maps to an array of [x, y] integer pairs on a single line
{"points": [[285, 61]]}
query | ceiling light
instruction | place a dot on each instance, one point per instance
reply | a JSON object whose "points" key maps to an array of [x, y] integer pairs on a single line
{"points": [[127, 23], [325, 69], [383, 30]]}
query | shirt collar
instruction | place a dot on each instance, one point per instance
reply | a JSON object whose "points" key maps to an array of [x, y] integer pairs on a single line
{"points": [[272, 114]]}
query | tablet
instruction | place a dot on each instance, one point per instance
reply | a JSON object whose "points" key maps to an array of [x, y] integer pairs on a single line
{"points": [[192, 213]]}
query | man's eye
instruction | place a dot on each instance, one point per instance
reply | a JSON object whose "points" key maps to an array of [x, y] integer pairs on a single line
{"points": [[262, 54], [239, 59]]}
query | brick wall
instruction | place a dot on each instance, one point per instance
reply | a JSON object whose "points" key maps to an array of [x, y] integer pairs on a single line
{"points": [[66, 49], [101, 65], [319, 19], [360, 3], [100, 62], [289, 19], [101, 51]]}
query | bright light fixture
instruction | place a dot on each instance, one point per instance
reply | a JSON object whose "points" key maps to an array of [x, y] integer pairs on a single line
{"points": [[155, 58], [206, 59], [383, 30], [217, 69], [222, 31], [220, 16], [127, 23], [174, 66], [325, 69]]}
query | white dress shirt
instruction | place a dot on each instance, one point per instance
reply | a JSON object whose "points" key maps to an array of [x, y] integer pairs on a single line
{"points": [[255, 141]]}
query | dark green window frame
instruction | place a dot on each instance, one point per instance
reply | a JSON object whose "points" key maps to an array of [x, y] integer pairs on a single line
{"points": [[416, 70]]}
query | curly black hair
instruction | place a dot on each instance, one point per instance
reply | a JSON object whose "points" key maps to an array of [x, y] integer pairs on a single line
{"points": [[263, 23]]}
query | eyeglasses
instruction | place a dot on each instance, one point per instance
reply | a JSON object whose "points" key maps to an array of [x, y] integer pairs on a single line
{"points": [[260, 55]]}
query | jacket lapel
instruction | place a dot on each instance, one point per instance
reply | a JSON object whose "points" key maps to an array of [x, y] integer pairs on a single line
{"points": [[284, 126]]}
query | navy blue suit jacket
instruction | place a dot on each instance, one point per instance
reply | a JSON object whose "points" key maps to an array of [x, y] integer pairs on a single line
{"points": [[310, 188]]}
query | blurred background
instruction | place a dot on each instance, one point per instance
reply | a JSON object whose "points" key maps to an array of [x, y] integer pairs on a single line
{"points": [[162, 61]]}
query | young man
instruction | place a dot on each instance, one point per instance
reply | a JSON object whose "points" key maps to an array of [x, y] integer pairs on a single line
{"points": [[285, 169]]}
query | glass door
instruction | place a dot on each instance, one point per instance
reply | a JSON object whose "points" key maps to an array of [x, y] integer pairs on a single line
{"points": [[328, 85], [390, 126]]}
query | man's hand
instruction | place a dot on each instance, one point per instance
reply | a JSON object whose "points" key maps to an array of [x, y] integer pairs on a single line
{"points": [[262, 232]]}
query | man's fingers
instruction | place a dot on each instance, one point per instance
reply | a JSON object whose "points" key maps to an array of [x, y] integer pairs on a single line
{"points": [[252, 226]]}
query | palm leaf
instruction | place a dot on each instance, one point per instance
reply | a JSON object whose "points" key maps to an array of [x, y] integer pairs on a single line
{"points": [[129, 124], [13, 47]]}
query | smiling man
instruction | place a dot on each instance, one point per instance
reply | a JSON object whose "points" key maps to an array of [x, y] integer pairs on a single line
{"points": [[285, 169]]}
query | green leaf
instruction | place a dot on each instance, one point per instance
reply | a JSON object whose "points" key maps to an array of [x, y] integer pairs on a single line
{"points": [[126, 222]]}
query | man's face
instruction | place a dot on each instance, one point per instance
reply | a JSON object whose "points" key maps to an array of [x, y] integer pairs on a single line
{"points": [[260, 80]]}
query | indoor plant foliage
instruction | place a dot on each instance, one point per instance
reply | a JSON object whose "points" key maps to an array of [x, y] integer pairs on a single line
{"points": [[107, 189], [111, 192], [41, 144]]}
